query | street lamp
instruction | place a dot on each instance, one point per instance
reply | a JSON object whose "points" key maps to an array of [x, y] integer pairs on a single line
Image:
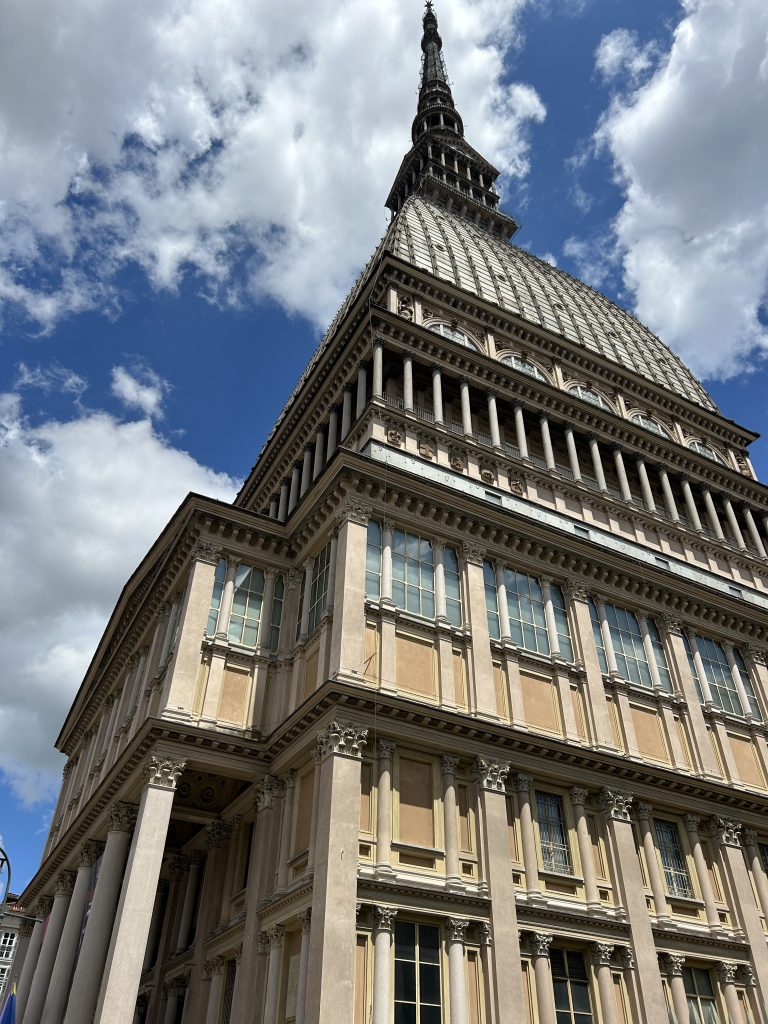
{"points": [[5, 865]]}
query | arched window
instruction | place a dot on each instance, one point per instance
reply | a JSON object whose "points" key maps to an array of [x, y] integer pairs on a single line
{"points": [[587, 394], [704, 449], [452, 333], [648, 423], [522, 365]]}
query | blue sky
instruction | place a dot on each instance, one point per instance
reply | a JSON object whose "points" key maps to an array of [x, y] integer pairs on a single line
{"points": [[183, 208]]}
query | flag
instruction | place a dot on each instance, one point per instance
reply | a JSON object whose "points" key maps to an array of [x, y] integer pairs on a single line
{"points": [[8, 1016]]}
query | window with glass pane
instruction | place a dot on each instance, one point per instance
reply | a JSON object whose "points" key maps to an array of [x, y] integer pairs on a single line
{"points": [[417, 974], [452, 586], [373, 561], [218, 590], [300, 609], [523, 366], [246, 606], [228, 993], [754, 707], [571, 985], [555, 852], [413, 573], [700, 994], [491, 601], [703, 449], [527, 621], [593, 397], [720, 678], [650, 424], [561, 622], [448, 331], [319, 590], [763, 850], [628, 645], [673, 859], [277, 613]]}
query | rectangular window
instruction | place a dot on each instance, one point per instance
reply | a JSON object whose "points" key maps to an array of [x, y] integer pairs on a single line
{"points": [[413, 573], [418, 989], [373, 561], [673, 859], [527, 620], [570, 982], [218, 590], [628, 646], [318, 594], [700, 994], [491, 601], [720, 678], [7, 944], [555, 852], [416, 800], [228, 993], [246, 606]]}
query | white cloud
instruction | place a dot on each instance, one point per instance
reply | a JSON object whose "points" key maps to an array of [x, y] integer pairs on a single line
{"points": [[141, 389], [690, 151], [593, 258], [223, 140], [620, 53], [50, 378], [80, 503]]}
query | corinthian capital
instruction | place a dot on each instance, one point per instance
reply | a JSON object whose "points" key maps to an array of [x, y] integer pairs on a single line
{"points": [[342, 737], [163, 771], [491, 774]]}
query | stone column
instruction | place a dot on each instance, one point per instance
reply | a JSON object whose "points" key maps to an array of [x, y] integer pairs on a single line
{"points": [[176, 991], [305, 606], [276, 939], [621, 473], [408, 382], [93, 951], [690, 505], [645, 486], [24, 986], [293, 496], [282, 507], [448, 766], [605, 633], [669, 498], [643, 814], [673, 964], [158, 912], [346, 412], [597, 463], [306, 472], [438, 551], [384, 918], [677, 659], [692, 823], [457, 982], [631, 895], [334, 933], [738, 682], [573, 455], [758, 872], [578, 800], [522, 440], [493, 420], [333, 434], [386, 561], [542, 970], [319, 458], [289, 779], [317, 757], [348, 631], [227, 595], [386, 749], [466, 410], [754, 533], [501, 598], [362, 391], [378, 368], [134, 913], [265, 620], [437, 395], [546, 440], [733, 522], [61, 977], [273, 507], [706, 692], [50, 949], [726, 974], [648, 650], [482, 697], [601, 959], [190, 901], [212, 970], [549, 616], [305, 919], [714, 519], [527, 834]]}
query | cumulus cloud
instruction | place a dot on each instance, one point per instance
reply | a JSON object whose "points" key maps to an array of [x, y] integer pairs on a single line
{"points": [[620, 53], [141, 389], [592, 258], [81, 500], [224, 141], [690, 151]]}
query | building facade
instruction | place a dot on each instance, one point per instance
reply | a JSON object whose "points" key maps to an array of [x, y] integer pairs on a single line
{"points": [[457, 715], [10, 926]]}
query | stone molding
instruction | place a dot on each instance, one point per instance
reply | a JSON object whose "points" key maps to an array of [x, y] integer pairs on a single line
{"points": [[491, 774], [162, 771], [342, 737]]}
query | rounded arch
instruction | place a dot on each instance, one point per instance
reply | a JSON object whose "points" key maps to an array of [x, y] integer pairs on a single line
{"points": [[706, 450], [453, 332], [524, 364], [648, 422], [589, 394]]}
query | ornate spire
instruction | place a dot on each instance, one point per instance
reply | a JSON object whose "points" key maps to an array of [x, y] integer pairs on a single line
{"points": [[441, 165]]}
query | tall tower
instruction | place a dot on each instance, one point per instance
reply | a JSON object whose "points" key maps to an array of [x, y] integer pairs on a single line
{"points": [[457, 713]]}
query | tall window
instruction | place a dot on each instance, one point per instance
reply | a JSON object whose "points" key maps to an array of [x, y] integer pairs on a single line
{"points": [[673, 859], [417, 974], [319, 591], [229, 992], [700, 994], [7, 944], [720, 678], [555, 852], [571, 984], [527, 621], [628, 645], [413, 573], [218, 590], [491, 601], [246, 606]]}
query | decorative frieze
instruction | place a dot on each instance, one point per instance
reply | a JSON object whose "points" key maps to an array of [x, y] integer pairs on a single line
{"points": [[342, 737]]}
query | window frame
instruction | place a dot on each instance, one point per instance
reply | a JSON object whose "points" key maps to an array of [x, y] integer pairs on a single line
{"points": [[596, 399], [675, 890], [565, 824]]}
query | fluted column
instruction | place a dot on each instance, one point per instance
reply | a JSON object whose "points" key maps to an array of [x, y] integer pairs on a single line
{"points": [[457, 984], [362, 389], [408, 382], [758, 871], [333, 434], [50, 948], [738, 682], [42, 909], [754, 533], [276, 939], [93, 950], [645, 486], [466, 410], [437, 395], [673, 964], [501, 597], [733, 522], [573, 455], [644, 814], [319, 459], [448, 766], [527, 834], [621, 473], [522, 440], [714, 519], [383, 927], [493, 420], [546, 441], [212, 970], [692, 823], [306, 472], [282, 504], [690, 505], [597, 463], [601, 959], [386, 750], [305, 920], [346, 412], [285, 832], [578, 801], [669, 498], [378, 368], [542, 969], [293, 496], [61, 976], [549, 616], [648, 649]]}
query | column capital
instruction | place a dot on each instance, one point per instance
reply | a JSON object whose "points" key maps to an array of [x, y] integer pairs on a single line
{"points": [[43, 906], [90, 851], [436, 371], [276, 936], [576, 590], [727, 831], [305, 920], [486, 934], [758, 654], [163, 771], [270, 573], [601, 954], [213, 966], [448, 764], [216, 833], [726, 972], [353, 510], [578, 795], [206, 550], [456, 928], [65, 883], [474, 554], [616, 804], [540, 943], [25, 929], [727, 646], [288, 779], [643, 811], [178, 865], [122, 817], [749, 837], [692, 823], [438, 545], [523, 782], [342, 737], [747, 975], [384, 918], [266, 790], [672, 964], [386, 749], [672, 625], [491, 774], [262, 944], [626, 958]]}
